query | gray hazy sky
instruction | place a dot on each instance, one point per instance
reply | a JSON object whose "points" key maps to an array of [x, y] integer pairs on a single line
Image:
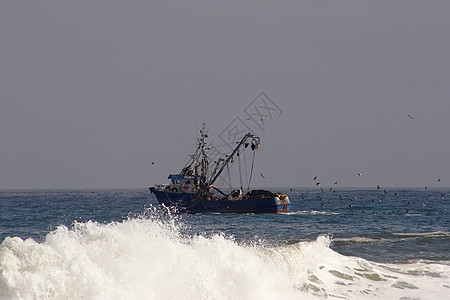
{"points": [[91, 92]]}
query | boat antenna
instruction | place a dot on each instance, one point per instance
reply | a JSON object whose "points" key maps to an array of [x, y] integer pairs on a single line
{"points": [[196, 127]]}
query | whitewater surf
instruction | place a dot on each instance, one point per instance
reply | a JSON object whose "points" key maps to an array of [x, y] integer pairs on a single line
{"points": [[150, 258]]}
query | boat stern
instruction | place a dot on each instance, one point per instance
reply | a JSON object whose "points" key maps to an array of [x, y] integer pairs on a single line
{"points": [[282, 202]]}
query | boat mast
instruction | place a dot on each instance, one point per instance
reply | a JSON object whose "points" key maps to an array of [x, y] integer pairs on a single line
{"points": [[204, 186]]}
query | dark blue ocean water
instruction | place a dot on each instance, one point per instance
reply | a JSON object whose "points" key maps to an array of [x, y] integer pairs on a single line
{"points": [[394, 225], [119, 244]]}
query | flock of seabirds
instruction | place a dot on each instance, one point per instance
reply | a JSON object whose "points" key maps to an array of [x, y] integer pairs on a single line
{"points": [[380, 199], [355, 198]]}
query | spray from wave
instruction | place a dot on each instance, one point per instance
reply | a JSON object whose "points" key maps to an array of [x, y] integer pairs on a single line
{"points": [[148, 258]]}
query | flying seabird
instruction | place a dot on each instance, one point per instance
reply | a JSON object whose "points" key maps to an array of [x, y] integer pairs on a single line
{"points": [[262, 175], [412, 118]]}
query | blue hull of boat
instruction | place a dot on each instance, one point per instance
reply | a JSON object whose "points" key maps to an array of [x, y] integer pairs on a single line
{"points": [[185, 203]]}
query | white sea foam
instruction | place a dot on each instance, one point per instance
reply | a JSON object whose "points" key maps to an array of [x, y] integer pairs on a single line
{"points": [[358, 240], [148, 259], [423, 234], [311, 212]]}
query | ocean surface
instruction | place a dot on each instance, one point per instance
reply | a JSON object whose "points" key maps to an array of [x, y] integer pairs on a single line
{"points": [[119, 244]]}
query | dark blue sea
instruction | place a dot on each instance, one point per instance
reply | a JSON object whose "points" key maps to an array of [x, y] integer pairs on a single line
{"points": [[119, 244]]}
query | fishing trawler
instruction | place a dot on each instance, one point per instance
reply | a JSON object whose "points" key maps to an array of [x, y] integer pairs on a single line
{"points": [[193, 190]]}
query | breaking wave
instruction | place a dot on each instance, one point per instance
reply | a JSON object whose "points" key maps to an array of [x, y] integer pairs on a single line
{"points": [[149, 258]]}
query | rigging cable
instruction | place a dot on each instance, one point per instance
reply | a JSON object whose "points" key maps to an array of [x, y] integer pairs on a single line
{"points": [[240, 170], [251, 170], [229, 178], [245, 167]]}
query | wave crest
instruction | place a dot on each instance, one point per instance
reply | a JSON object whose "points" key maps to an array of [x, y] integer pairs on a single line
{"points": [[147, 257]]}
